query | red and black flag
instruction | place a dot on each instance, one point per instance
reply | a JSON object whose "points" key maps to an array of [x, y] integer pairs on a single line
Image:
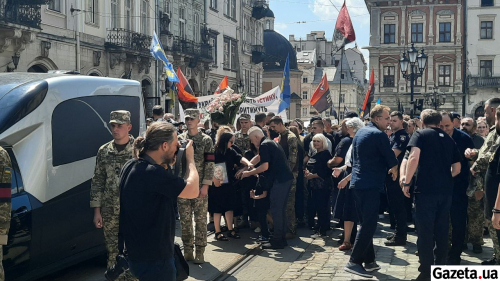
{"points": [[367, 104], [321, 99], [184, 92], [344, 31]]}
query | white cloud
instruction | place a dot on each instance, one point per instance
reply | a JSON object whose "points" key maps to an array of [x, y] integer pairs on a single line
{"points": [[326, 11], [280, 27]]}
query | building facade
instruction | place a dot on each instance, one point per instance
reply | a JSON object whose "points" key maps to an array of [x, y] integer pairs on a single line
{"points": [[101, 38], [435, 26], [483, 55]]}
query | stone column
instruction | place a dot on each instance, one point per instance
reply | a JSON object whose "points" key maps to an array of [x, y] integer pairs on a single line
{"points": [[431, 25], [402, 28], [375, 26]]}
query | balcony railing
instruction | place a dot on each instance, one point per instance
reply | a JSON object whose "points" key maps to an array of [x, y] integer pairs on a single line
{"points": [[16, 13], [258, 53], [128, 40], [388, 81], [192, 48], [484, 82]]}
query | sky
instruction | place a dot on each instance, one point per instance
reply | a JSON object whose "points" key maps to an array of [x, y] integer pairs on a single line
{"points": [[320, 15]]}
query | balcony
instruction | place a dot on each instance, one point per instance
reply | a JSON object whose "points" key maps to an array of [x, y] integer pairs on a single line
{"points": [[260, 9], [127, 40], [484, 82], [191, 48], [21, 13], [258, 53]]}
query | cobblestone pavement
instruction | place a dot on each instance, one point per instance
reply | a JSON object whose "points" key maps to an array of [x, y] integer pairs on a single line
{"points": [[322, 260]]}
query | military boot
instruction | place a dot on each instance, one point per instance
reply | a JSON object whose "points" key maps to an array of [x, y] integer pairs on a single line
{"points": [[199, 259], [188, 253]]}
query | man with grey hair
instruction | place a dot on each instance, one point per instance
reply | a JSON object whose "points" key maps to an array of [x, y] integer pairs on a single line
{"points": [[277, 177]]}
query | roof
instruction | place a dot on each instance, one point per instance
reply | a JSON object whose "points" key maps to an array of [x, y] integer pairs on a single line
{"points": [[269, 13], [307, 56], [320, 71], [277, 48]]}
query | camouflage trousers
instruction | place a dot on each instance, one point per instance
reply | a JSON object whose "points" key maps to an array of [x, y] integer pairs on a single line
{"points": [[290, 207], [110, 220], [475, 221], [2, 272], [198, 207], [494, 239]]}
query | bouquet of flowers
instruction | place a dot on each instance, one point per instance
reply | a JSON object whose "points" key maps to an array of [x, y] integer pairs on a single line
{"points": [[225, 106]]}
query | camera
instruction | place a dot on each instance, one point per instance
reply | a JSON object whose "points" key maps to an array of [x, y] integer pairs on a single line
{"points": [[114, 272], [180, 163]]}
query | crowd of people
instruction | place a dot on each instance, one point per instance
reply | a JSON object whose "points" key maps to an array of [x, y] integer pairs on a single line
{"points": [[439, 171]]}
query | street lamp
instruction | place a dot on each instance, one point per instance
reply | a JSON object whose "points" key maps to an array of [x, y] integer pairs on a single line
{"points": [[414, 60], [435, 100]]}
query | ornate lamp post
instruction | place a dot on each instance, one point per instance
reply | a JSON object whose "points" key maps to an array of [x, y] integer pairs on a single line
{"points": [[435, 100], [417, 65]]}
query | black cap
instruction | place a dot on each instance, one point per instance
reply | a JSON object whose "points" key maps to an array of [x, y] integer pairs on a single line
{"points": [[315, 118], [455, 115], [350, 114]]}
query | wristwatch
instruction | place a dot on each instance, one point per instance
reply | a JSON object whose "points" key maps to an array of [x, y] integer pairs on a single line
{"points": [[406, 184]]}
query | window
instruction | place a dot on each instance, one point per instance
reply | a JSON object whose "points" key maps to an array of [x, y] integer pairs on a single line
{"points": [[168, 7], [304, 79], [444, 75], [227, 7], [213, 4], [297, 111], [486, 30], [182, 22], [304, 112], [128, 14], [233, 9], [197, 33], [213, 43], [145, 17], [234, 51], [115, 17], [342, 98], [417, 32], [342, 76], [304, 95], [54, 5], [227, 46], [485, 68], [445, 32], [247, 81], [246, 28], [487, 3], [92, 12], [268, 24], [389, 33], [389, 76]]}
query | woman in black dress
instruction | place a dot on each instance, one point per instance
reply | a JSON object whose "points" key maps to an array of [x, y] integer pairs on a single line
{"points": [[319, 180], [223, 192]]}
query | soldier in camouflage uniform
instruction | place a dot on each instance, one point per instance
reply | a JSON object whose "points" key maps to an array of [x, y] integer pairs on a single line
{"points": [[480, 166], [5, 179], [104, 191], [242, 142], [290, 144], [204, 159]]}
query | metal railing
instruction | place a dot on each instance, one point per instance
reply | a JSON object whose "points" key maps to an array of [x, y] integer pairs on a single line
{"points": [[127, 39], [191, 48], [484, 82], [16, 13]]}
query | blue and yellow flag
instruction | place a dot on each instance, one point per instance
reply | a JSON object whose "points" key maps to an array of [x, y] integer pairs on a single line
{"points": [[157, 52], [286, 94]]}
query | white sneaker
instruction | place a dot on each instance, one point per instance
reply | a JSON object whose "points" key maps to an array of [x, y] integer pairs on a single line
{"points": [[257, 230]]}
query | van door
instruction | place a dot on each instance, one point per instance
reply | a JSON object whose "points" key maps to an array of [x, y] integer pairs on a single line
{"points": [[16, 254]]}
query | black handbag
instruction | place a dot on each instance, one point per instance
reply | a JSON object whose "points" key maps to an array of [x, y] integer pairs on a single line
{"points": [[181, 265]]}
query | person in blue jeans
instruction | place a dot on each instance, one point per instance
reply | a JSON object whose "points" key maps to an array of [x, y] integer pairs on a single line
{"points": [[372, 157]]}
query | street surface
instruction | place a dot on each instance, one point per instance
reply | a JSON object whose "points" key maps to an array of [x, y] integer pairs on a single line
{"points": [[305, 259]]}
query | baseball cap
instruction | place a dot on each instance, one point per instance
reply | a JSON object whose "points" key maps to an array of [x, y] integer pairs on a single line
{"points": [[119, 117]]}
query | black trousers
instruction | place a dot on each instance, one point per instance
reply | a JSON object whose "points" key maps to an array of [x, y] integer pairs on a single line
{"points": [[367, 205], [458, 215], [432, 214], [278, 198], [396, 200], [261, 214], [321, 199]]}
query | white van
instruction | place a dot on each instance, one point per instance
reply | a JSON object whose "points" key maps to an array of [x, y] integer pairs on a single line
{"points": [[52, 126]]}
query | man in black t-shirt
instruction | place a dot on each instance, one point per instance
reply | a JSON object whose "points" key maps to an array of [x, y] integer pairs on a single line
{"points": [[399, 140], [434, 152], [277, 175], [148, 193]]}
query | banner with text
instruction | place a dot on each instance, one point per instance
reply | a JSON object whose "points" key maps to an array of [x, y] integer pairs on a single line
{"points": [[267, 102]]}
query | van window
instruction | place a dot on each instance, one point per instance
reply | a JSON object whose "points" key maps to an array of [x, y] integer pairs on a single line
{"points": [[80, 126]]}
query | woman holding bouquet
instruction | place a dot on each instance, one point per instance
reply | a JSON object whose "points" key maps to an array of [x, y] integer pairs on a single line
{"points": [[223, 194]]}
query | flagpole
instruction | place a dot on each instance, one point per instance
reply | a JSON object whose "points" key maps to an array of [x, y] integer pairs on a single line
{"points": [[340, 88]]}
